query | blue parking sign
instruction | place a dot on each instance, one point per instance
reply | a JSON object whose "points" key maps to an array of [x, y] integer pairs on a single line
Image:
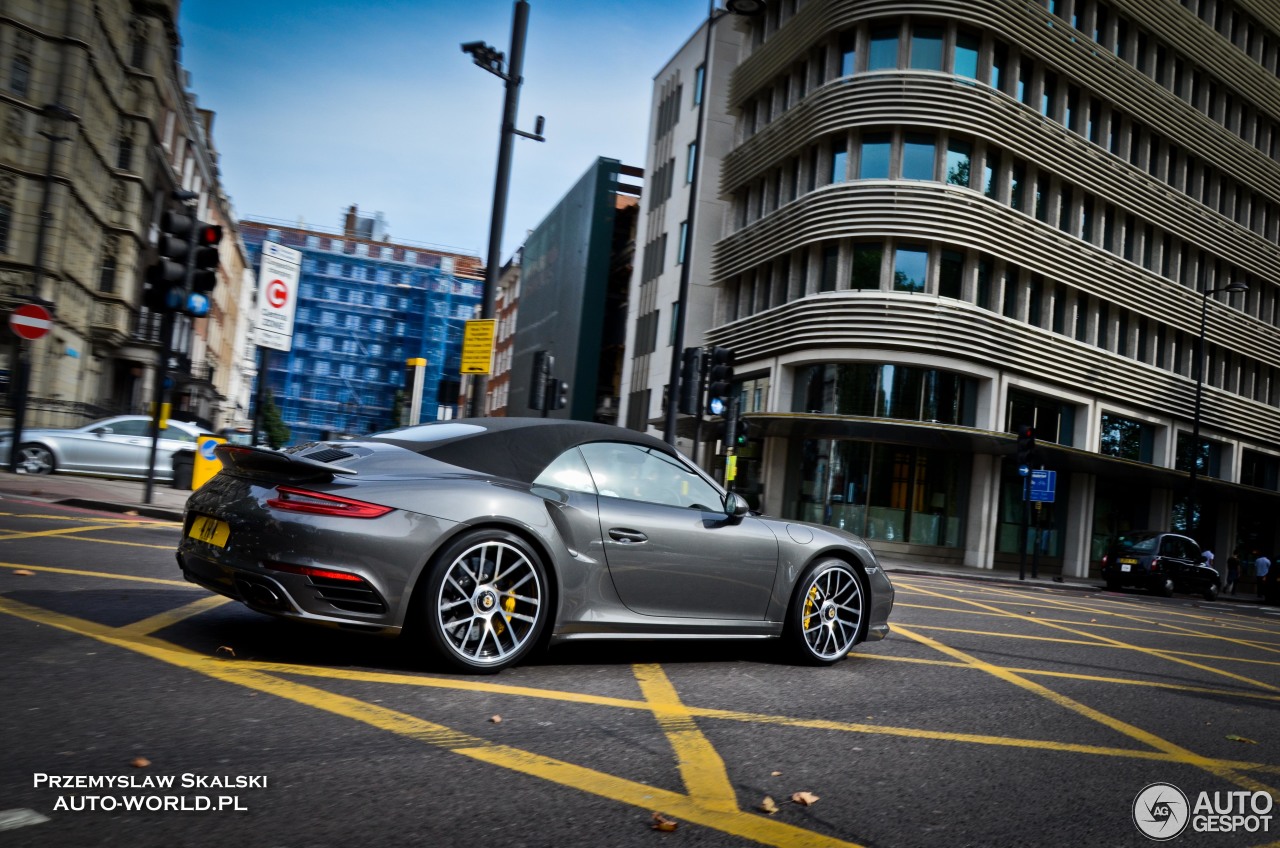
{"points": [[1043, 485]]}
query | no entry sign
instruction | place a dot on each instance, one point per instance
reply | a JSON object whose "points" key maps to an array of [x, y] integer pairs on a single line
{"points": [[30, 321]]}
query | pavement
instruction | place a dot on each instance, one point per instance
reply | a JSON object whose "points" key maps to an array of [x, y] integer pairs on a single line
{"points": [[167, 503]]}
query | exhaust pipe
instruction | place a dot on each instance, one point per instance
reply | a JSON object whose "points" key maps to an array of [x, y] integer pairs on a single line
{"points": [[259, 594]]}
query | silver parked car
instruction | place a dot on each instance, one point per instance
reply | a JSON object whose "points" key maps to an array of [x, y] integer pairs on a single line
{"points": [[112, 447], [497, 535]]}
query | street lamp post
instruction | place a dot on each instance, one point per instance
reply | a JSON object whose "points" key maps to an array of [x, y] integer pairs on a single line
{"points": [[1193, 509], [490, 59], [56, 113], [732, 7]]}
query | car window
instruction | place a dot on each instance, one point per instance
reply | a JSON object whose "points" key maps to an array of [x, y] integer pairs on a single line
{"points": [[1144, 544], [128, 427], [567, 471], [176, 434], [638, 473], [1173, 546]]}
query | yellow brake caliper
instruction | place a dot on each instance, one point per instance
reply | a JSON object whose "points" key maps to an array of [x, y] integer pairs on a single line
{"points": [[808, 605], [508, 606]]}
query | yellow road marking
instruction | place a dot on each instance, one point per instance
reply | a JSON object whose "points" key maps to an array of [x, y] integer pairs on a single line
{"points": [[135, 521], [160, 621], [1092, 678], [701, 767], [9, 535], [1171, 656], [102, 574], [1177, 752], [1100, 641], [634, 794]]}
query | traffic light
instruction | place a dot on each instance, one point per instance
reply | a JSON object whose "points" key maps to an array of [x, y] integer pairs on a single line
{"points": [[720, 379], [690, 380], [557, 394], [167, 278], [204, 275], [540, 380], [1026, 443]]}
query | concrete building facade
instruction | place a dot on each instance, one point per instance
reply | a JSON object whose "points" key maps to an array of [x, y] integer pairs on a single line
{"points": [[946, 220]]}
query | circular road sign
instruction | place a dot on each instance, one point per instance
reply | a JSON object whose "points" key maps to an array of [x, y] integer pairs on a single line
{"points": [[30, 321], [277, 293]]}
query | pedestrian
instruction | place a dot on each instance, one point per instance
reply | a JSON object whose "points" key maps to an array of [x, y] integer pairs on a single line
{"points": [[1207, 556], [1233, 572], [1261, 573]]}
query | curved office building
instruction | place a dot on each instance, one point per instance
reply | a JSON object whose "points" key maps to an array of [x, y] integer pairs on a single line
{"points": [[946, 219]]}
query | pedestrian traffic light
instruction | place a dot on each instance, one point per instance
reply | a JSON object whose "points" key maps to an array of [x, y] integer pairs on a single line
{"points": [[539, 380], [690, 381], [167, 277], [720, 379], [1026, 443], [204, 274], [557, 394]]}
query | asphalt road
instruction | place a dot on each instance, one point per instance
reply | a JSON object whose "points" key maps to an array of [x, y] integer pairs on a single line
{"points": [[994, 715]]}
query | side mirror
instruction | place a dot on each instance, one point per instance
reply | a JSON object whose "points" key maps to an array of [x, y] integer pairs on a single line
{"points": [[735, 505]]}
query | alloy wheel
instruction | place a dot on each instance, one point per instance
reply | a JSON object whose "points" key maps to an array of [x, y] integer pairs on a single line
{"points": [[489, 606], [830, 615]]}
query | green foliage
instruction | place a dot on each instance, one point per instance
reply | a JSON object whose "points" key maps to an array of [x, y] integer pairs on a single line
{"points": [[276, 430]]}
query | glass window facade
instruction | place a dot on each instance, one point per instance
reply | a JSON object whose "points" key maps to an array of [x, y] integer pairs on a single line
{"points": [[875, 390]]}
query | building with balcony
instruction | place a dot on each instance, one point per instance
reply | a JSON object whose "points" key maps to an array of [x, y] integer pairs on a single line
{"points": [[366, 305], [946, 220]]}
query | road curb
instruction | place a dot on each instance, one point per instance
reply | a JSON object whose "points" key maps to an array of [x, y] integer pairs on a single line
{"points": [[131, 509]]}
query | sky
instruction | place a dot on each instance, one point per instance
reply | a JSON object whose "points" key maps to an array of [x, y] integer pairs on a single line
{"points": [[326, 103]]}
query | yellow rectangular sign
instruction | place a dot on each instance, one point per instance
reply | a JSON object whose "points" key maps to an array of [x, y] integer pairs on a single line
{"points": [[477, 346]]}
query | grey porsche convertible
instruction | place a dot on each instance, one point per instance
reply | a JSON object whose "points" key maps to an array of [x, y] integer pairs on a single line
{"points": [[494, 536]]}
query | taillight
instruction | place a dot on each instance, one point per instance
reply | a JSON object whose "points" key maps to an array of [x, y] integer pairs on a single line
{"points": [[312, 571], [1155, 564], [315, 503]]}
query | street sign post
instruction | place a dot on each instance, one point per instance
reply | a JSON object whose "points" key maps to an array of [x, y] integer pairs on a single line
{"points": [[278, 295], [477, 346]]}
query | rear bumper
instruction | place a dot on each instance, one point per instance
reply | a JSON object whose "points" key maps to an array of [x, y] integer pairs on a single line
{"points": [[264, 592]]}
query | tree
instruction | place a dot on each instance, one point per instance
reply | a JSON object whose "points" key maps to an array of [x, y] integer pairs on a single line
{"points": [[277, 432]]}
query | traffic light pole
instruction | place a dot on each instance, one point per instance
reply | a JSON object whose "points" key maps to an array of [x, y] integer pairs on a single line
{"points": [[157, 397]]}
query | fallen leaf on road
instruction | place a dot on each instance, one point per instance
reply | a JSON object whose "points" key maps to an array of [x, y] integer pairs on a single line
{"points": [[496, 719], [775, 773], [25, 572], [661, 822], [768, 806], [804, 799], [130, 512], [1235, 738], [227, 649], [139, 762]]}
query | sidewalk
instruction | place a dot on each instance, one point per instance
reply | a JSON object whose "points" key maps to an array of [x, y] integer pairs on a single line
{"points": [[167, 504], [97, 493]]}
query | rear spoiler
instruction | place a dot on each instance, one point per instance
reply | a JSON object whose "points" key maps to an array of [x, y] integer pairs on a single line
{"points": [[252, 461]]}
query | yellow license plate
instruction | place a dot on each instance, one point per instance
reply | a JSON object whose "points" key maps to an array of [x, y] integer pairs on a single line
{"points": [[210, 530], [1127, 561]]}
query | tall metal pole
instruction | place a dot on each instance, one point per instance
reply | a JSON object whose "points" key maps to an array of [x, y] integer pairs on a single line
{"points": [[1192, 521], [682, 296], [501, 186]]}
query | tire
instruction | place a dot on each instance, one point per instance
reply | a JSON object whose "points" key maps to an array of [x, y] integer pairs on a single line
{"points": [[34, 458], [1211, 592], [827, 614], [1164, 588], [487, 601]]}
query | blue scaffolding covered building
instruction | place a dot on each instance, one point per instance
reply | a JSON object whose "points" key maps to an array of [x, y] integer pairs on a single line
{"points": [[365, 307]]}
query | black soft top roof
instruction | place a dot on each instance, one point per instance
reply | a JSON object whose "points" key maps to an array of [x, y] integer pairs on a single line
{"points": [[516, 448]]}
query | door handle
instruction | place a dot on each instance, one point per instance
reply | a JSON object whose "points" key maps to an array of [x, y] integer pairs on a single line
{"points": [[627, 537]]}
